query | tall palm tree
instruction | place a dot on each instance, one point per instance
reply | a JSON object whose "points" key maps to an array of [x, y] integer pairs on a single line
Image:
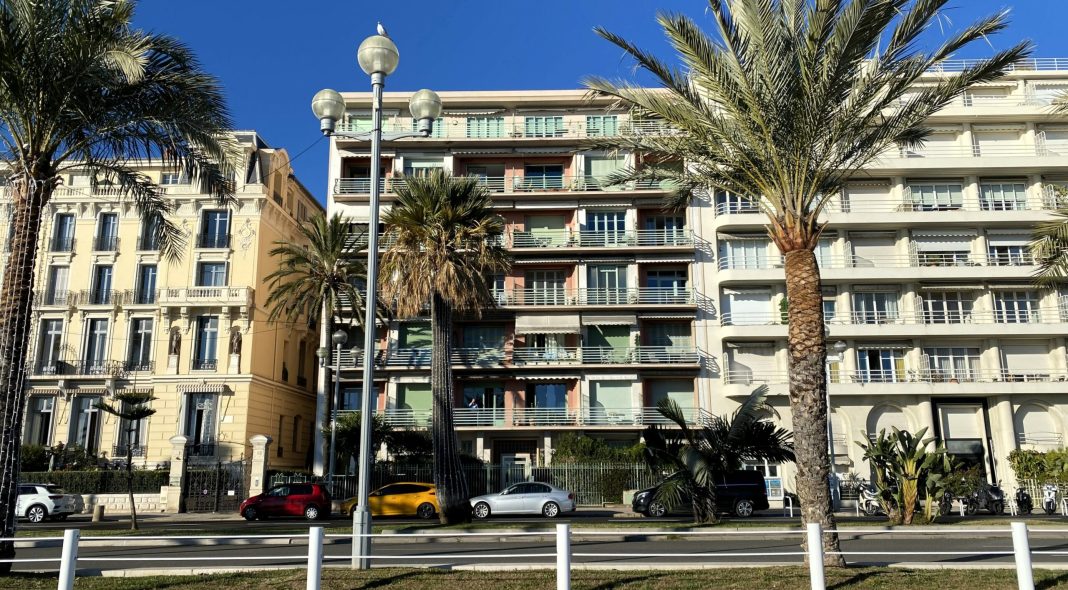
{"points": [[325, 277], [696, 458], [80, 88], [791, 99], [446, 247]]}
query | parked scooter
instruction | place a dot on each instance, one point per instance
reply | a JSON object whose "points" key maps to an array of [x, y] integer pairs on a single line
{"points": [[945, 505], [987, 497], [1049, 498], [869, 500], [1023, 501]]}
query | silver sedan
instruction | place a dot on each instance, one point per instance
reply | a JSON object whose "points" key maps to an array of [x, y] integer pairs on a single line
{"points": [[525, 498]]}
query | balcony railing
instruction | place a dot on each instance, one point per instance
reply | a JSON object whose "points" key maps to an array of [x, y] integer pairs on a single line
{"points": [[201, 449], [632, 296], [147, 243], [916, 260], [207, 296], [622, 417], [204, 364], [83, 297], [106, 244], [119, 451], [514, 184], [531, 356], [909, 204], [744, 377], [1041, 315], [456, 128], [570, 238], [61, 244], [213, 241], [78, 368]]}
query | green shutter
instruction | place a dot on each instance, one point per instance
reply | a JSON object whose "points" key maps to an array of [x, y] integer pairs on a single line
{"points": [[682, 391], [415, 396], [416, 335]]}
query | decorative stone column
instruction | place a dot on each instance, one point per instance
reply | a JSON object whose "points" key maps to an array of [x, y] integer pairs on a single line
{"points": [[176, 484], [258, 478]]}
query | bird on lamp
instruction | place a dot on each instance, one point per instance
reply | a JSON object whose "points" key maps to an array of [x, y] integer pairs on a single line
{"points": [[382, 30]]}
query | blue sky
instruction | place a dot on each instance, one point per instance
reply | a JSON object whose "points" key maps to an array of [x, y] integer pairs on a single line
{"points": [[273, 55]]}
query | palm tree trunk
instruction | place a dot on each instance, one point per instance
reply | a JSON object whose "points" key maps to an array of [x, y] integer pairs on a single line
{"points": [[448, 473], [28, 199], [807, 347]]}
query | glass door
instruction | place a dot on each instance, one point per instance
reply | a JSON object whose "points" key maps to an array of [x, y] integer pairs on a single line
{"points": [[607, 285]]}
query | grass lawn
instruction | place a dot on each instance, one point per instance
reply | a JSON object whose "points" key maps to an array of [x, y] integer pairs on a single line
{"points": [[773, 578]]}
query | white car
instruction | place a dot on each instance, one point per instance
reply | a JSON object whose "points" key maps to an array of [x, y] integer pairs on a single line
{"points": [[525, 498], [38, 501]]}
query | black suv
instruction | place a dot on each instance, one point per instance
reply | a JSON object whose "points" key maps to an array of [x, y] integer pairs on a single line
{"points": [[739, 493]]}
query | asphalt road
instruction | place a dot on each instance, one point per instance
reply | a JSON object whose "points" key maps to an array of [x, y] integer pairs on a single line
{"points": [[617, 551]]}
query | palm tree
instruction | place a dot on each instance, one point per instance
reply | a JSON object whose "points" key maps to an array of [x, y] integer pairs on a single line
{"points": [[1049, 248], [80, 88], [130, 407], [326, 276], [446, 245], [791, 100], [696, 458]]}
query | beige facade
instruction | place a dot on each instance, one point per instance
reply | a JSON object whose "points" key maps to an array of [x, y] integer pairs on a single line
{"points": [[111, 313], [613, 305]]}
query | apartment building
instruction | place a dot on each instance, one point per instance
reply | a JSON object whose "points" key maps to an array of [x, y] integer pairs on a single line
{"points": [[613, 304], [595, 321], [112, 314]]}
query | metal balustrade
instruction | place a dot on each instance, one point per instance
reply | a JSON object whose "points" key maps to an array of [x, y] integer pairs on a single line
{"points": [[530, 356], [574, 238], [77, 368], [1041, 315], [601, 297], [622, 416], [888, 204], [514, 184], [60, 298], [914, 260], [106, 243], [213, 241], [207, 295], [518, 128], [930, 376]]}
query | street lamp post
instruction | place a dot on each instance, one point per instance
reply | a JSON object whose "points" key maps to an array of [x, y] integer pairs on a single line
{"points": [[338, 338], [839, 349], [378, 58]]}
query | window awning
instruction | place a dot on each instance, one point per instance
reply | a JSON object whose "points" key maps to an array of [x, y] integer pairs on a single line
{"points": [[609, 319], [365, 155], [548, 323], [952, 287], [548, 377], [202, 388]]}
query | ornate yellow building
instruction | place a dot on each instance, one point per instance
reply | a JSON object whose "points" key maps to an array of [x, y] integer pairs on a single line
{"points": [[112, 313]]}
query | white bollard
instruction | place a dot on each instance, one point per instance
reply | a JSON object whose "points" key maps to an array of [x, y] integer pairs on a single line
{"points": [[68, 565], [1022, 548], [815, 556], [563, 557], [315, 557]]}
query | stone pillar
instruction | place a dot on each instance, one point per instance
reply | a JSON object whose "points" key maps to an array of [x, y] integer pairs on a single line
{"points": [[235, 364], [1003, 430], [176, 485], [172, 364], [925, 417], [258, 479]]}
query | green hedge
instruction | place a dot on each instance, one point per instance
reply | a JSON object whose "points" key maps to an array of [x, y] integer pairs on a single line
{"points": [[99, 482]]}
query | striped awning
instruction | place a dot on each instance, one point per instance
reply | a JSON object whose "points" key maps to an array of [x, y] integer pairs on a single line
{"points": [[352, 154], [548, 323], [937, 288], [547, 377], [609, 319], [202, 388]]}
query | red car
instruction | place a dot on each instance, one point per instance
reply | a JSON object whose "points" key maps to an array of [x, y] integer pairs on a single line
{"points": [[310, 500]]}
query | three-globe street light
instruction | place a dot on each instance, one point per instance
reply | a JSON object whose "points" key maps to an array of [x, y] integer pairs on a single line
{"points": [[378, 58]]}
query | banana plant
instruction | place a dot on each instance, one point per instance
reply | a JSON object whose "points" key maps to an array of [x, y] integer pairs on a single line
{"points": [[900, 461]]}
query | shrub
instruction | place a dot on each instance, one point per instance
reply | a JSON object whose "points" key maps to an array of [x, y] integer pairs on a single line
{"points": [[573, 448], [1049, 466], [33, 458]]}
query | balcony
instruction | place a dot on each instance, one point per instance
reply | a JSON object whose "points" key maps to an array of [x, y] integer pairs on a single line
{"points": [[959, 260], [514, 184], [212, 296], [611, 417], [213, 241], [596, 297], [204, 364], [926, 376], [201, 449], [573, 238], [56, 298], [120, 451], [530, 357], [1040, 315], [844, 205], [148, 243], [518, 128], [78, 368], [61, 244], [106, 244]]}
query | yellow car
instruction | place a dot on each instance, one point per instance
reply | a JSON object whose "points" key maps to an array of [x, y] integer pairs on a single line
{"points": [[399, 499]]}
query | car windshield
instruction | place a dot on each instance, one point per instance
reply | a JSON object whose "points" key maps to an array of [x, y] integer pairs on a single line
{"points": [[55, 490]]}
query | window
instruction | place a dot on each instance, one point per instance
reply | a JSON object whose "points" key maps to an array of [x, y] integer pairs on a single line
{"points": [[602, 125], [489, 338], [215, 229], [63, 233], [952, 364], [296, 434], [149, 240], [670, 335], [437, 131], [880, 365], [736, 253], [207, 344], [485, 127], [552, 126], [665, 286], [85, 423], [302, 212], [947, 307], [131, 437], [542, 177], [413, 167], [171, 178], [545, 287], [58, 278], [943, 248], [107, 233], [302, 364], [361, 123], [146, 284], [598, 170], [200, 423], [935, 197], [280, 452], [285, 369], [51, 345], [415, 335], [101, 294], [1003, 196], [489, 175], [139, 357], [824, 252], [1016, 307], [664, 230], [1009, 255], [211, 274], [39, 420], [830, 304], [607, 284], [605, 228], [733, 203], [96, 346], [548, 402], [875, 308]]}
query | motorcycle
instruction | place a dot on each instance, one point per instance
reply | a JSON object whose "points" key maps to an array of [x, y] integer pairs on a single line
{"points": [[987, 497], [869, 500], [1023, 501], [1049, 498], [945, 505]]}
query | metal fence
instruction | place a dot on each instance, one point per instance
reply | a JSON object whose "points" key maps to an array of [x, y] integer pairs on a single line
{"points": [[593, 484]]}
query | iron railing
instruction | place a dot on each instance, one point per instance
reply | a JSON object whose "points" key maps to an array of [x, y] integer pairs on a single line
{"points": [[213, 241], [573, 238]]}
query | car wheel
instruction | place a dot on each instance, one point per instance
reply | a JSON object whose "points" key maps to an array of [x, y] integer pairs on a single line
{"points": [[36, 513], [249, 513], [656, 509], [550, 510], [744, 508], [482, 510], [311, 512], [425, 511]]}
